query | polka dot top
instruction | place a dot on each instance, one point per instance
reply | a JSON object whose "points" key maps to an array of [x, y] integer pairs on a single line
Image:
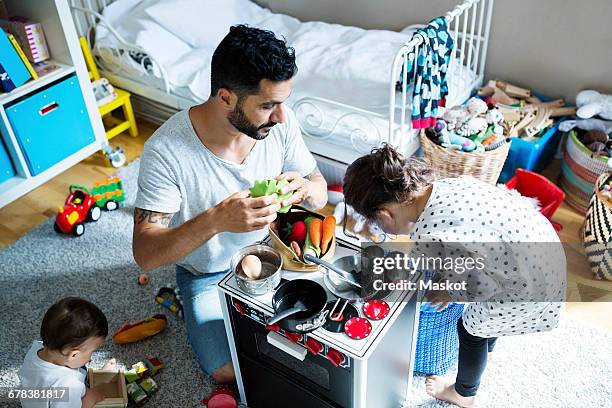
{"points": [[524, 267]]}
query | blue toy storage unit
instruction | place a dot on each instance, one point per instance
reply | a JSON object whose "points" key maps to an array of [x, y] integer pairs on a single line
{"points": [[531, 155], [51, 124], [6, 166]]}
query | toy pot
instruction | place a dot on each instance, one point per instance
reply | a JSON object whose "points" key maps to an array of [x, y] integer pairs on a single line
{"points": [[307, 293], [271, 262]]}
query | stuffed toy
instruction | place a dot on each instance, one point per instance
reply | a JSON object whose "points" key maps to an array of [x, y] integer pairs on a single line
{"points": [[586, 124], [464, 120], [591, 103]]}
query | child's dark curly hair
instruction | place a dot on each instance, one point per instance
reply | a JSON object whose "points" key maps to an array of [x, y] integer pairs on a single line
{"points": [[381, 177], [246, 56]]}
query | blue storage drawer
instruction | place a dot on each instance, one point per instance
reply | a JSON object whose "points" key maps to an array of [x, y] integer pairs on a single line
{"points": [[51, 124], [532, 156], [7, 170]]}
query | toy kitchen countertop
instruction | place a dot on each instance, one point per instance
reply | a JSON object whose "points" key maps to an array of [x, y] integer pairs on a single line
{"points": [[326, 367]]}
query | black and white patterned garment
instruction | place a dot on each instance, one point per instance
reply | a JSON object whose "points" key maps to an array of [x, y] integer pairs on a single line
{"points": [[522, 284]]}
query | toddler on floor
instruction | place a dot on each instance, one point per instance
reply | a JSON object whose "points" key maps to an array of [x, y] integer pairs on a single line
{"points": [[71, 330]]}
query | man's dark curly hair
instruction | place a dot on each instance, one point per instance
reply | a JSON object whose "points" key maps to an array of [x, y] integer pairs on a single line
{"points": [[246, 56]]}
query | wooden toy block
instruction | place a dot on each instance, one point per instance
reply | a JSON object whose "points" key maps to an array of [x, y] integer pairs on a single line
{"points": [[534, 100], [111, 384], [557, 103], [154, 365], [517, 128], [564, 111], [502, 97], [542, 118], [511, 115], [148, 385], [138, 395], [513, 90]]}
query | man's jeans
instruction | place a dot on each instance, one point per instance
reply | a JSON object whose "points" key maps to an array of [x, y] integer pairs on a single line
{"points": [[203, 318]]}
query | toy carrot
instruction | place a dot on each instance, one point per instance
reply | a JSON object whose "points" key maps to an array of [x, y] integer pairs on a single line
{"points": [[315, 232], [328, 231]]}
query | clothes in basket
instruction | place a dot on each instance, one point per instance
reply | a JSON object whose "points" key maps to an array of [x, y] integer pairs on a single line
{"points": [[438, 341]]}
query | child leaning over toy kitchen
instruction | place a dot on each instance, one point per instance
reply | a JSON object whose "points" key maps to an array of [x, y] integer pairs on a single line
{"points": [[510, 295]]}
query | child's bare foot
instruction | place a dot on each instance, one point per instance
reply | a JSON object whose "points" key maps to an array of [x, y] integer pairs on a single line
{"points": [[110, 364], [444, 389]]}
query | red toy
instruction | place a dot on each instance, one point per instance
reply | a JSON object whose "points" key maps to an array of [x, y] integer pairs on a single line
{"points": [[535, 185], [221, 397], [334, 194], [80, 207]]}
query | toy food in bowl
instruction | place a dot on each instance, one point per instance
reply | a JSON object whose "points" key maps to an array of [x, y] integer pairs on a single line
{"points": [[257, 268], [302, 231]]}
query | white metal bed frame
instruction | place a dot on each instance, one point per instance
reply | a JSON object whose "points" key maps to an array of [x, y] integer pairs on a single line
{"points": [[469, 24]]}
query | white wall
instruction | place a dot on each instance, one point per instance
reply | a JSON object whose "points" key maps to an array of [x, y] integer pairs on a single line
{"points": [[555, 47]]}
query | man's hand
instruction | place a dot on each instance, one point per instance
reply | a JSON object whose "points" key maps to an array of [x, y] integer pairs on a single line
{"points": [[241, 213], [298, 184]]}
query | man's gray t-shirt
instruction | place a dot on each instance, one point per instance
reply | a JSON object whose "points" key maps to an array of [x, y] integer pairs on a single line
{"points": [[179, 175]]}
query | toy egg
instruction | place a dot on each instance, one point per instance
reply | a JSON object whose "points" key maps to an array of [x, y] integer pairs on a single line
{"points": [[251, 266]]}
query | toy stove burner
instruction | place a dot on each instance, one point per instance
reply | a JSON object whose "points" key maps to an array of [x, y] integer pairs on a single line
{"points": [[358, 328], [337, 326], [376, 309]]}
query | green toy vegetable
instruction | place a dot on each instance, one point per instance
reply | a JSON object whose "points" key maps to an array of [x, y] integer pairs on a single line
{"points": [[271, 186], [308, 246]]}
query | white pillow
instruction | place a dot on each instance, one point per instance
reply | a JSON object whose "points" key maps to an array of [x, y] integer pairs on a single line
{"points": [[159, 43], [135, 26], [204, 23]]}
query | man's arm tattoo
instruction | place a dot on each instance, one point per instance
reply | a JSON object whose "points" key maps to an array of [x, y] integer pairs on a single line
{"points": [[152, 217]]}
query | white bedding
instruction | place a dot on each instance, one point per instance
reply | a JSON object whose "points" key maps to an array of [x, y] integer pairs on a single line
{"points": [[345, 64]]}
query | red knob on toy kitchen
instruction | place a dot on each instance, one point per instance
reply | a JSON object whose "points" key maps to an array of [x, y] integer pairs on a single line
{"points": [[313, 346], [335, 357]]}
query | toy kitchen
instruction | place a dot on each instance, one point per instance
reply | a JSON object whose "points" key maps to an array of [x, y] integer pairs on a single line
{"points": [[355, 353]]}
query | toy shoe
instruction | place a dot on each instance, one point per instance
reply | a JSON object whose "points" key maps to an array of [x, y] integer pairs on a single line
{"points": [[133, 332]]}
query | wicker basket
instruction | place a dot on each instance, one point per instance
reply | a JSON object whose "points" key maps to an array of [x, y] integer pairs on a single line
{"points": [[438, 340], [290, 262], [579, 172], [597, 231], [486, 166]]}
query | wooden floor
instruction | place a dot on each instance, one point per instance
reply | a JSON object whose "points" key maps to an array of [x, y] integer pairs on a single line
{"points": [[17, 218]]}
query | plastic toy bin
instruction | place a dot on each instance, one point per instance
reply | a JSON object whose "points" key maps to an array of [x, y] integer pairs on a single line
{"points": [[7, 170], [531, 155], [51, 124]]}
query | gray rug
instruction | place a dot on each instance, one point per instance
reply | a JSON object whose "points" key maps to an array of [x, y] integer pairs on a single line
{"points": [[569, 367], [43, 267]]}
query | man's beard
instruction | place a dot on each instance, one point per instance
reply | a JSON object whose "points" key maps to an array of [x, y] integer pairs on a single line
{"points": [[239, 120]]}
